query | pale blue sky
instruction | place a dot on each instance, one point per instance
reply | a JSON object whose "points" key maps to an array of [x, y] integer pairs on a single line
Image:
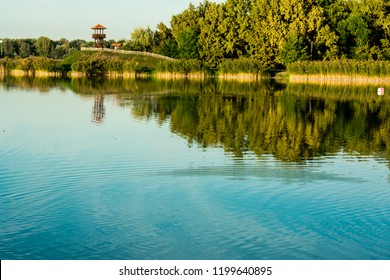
{"points": [[72, 19]]}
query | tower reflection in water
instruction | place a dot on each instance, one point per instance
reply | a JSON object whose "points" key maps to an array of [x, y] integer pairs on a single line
{"points": [[98, 111]]}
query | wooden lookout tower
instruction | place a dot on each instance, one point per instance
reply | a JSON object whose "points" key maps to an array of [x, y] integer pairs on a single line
{"points": [[98, 35]]}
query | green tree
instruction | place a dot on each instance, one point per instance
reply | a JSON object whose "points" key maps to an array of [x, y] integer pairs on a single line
{"points": [[236, 27], [26, 47], [10, 47], [164, 41], [273, 22], [212, 40], [61, 49], [357, 26], [142, 39], [44, 46], [294, 49], [188, 43], [76, 44], [186, 29]]}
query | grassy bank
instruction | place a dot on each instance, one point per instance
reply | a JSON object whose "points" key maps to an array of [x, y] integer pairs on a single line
{"points": [[99, 63], [130, 65], [36, 66]]}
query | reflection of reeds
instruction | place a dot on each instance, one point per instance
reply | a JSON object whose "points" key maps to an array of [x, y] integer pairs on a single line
{"points": [[176, 75], [342, 72], [118, 85], [340, 79], [364, 93], [239, 77]]}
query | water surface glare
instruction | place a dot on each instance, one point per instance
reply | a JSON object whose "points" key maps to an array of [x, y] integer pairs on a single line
{"points": [[155, 176]]}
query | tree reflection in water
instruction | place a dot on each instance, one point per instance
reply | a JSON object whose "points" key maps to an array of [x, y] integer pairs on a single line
{"points": [[293, 122]]}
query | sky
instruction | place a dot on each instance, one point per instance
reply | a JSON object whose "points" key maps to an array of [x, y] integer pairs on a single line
{"points": [[73, 19]]}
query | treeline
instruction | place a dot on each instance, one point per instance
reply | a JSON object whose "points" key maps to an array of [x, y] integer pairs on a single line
{"points": [[274, 32], [43, 46]]}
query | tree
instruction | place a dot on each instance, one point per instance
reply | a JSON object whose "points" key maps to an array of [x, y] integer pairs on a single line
{"points": [[44, 46], [164, 43], [212, 40], [186, 28], [188, 43], [9, 47], [357, 26], [26, 47], [61, 49], [294, 50], [76, 44], [142, 39], [273, 21], [236, 27]]}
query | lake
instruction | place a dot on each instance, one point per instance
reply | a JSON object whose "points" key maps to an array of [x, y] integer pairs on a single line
{"points": [[146, 169]]}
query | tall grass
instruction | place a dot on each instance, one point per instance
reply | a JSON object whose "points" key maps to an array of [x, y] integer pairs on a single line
{"points": [[341, 67], [182, 66], [242, 65]]}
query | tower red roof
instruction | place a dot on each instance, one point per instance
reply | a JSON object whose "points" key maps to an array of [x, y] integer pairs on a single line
{"points": [[98, 26]]}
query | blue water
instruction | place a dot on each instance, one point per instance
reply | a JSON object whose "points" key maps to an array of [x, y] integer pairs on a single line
{"points": [[130, 188]]}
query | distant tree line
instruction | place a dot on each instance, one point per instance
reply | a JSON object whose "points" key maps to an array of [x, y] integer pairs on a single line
{"points": [[43, 46]]}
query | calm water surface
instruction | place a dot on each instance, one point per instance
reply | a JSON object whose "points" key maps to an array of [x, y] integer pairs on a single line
{"points": [[138, 169]]}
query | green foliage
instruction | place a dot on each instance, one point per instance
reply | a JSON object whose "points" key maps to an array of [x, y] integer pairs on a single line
{"points": [[211, 38], [278, 32], [41, 47], [294, 50], [10, 48], [142, 39], [32, 64], [188, 44], [44, 46], [274, 33], [164, 43], [47, 64]]}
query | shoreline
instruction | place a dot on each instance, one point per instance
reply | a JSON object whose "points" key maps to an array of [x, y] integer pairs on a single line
{"points": [[318, 79]]}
